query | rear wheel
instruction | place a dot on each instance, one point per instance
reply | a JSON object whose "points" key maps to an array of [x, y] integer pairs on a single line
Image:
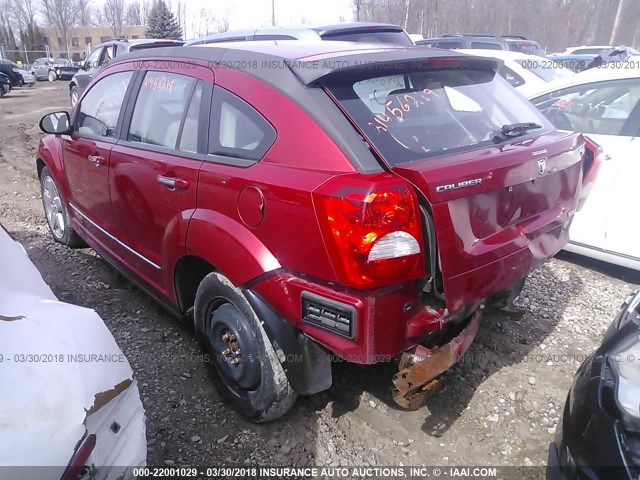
{"points": [[240, 358], [55, 210], [52, 77]]}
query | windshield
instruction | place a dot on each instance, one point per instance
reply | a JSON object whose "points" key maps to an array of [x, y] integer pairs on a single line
{"points": [[393, 37], [544, 71], [427, 113], [62, 61]]}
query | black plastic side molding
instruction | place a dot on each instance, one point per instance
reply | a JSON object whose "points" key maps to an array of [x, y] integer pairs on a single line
{"points": [[306, 363]]}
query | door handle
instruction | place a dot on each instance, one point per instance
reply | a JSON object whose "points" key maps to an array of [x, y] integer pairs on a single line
{"points": [[173, 183], [97, 160], [607, 157]]}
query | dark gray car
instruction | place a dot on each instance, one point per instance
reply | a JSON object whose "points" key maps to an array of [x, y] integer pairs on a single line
{"points": [[104, 53], [58, 69], [513, 43]]}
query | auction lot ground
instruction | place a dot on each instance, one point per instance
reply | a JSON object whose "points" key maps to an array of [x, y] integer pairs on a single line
{"points": [[500, 405]]}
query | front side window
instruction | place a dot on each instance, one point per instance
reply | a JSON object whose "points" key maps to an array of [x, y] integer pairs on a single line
{"points": [[449, 45], [601, 108], [107, 55], [431, 112], [189, 132], [100, 108], [160, 108], [93, 59], [239, 131]]}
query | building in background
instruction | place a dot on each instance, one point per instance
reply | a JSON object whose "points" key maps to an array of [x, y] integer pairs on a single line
{"points": [[82, 40]]}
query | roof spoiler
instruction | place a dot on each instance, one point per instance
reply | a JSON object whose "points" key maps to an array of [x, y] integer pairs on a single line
{"points": [[315, 72]]}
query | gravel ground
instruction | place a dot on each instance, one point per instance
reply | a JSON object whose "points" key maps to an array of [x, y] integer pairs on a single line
{"points": [[499, 406]]}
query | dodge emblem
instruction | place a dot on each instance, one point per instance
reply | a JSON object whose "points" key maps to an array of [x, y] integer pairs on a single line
{"points": [[542, 166]]}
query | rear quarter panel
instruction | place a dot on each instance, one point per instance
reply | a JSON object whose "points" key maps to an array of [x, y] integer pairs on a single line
{"points": [[301, 159]]}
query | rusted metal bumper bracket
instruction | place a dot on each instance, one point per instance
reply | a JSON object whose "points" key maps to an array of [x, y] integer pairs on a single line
{"points": [[421, 371]]}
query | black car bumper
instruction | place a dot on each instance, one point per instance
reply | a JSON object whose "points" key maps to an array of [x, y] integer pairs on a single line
{"points": [[593, 440]]}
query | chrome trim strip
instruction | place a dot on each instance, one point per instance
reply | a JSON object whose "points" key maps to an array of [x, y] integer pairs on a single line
{"points": [[142, 257], [602, 250]]}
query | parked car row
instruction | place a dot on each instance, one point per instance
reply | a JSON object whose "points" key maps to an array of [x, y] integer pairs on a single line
{"points": [[433, 190]]}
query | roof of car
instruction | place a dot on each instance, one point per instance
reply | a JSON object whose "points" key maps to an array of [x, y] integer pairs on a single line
{"points": [[142, 41], [301, 31], [501, 54], [572, 56], [309, 61]]}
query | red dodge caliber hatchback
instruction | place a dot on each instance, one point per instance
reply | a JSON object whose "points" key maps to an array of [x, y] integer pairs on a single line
{"points": [[305, 202]]}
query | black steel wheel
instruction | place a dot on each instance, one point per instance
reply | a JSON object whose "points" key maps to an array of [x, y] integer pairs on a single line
{"points": [[238, 353]]}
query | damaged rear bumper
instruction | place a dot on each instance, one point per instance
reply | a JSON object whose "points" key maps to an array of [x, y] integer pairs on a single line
{"points": [[421, 369]]}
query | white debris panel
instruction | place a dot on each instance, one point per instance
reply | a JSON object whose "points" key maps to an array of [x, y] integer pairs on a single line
{"points": [[63, 377]]}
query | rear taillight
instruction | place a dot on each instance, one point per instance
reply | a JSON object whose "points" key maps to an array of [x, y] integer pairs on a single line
{"points": [[593, 158], [371, 227], [79, 460]]}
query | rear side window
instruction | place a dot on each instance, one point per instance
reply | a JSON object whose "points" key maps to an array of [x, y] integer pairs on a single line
{"points": [[238, 130], [160, 107], [448, 45], [427, 113], [510, 76], [486, 45], [100, 108]]}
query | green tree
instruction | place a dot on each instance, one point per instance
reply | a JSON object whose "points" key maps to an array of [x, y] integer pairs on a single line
{"points": [[162, 22]]}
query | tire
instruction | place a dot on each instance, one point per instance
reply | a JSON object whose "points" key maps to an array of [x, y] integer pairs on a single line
{"points": [[257, 387], [75, 95], [56, 212], [51, 76]]}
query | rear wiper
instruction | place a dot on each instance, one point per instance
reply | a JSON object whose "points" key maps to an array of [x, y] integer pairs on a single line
{"points": [[513, 130]]}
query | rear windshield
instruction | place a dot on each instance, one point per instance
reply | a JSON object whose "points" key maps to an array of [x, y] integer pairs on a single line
{"points": [[415, 115], [393, 37], [531, 48]]}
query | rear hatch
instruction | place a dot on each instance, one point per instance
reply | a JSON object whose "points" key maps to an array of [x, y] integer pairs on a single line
{"points": [[526, 46], [65, 67], [498, 183]]}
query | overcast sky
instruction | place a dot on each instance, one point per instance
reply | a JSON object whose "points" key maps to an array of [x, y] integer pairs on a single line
{"points": [[255, 13]]}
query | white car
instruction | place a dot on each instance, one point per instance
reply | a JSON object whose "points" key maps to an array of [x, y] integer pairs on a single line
{"points": [[69, 402], [528, 73], [604, 103]]}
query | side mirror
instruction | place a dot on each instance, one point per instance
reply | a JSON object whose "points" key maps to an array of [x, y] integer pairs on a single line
{"points": [[57, 123]]}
